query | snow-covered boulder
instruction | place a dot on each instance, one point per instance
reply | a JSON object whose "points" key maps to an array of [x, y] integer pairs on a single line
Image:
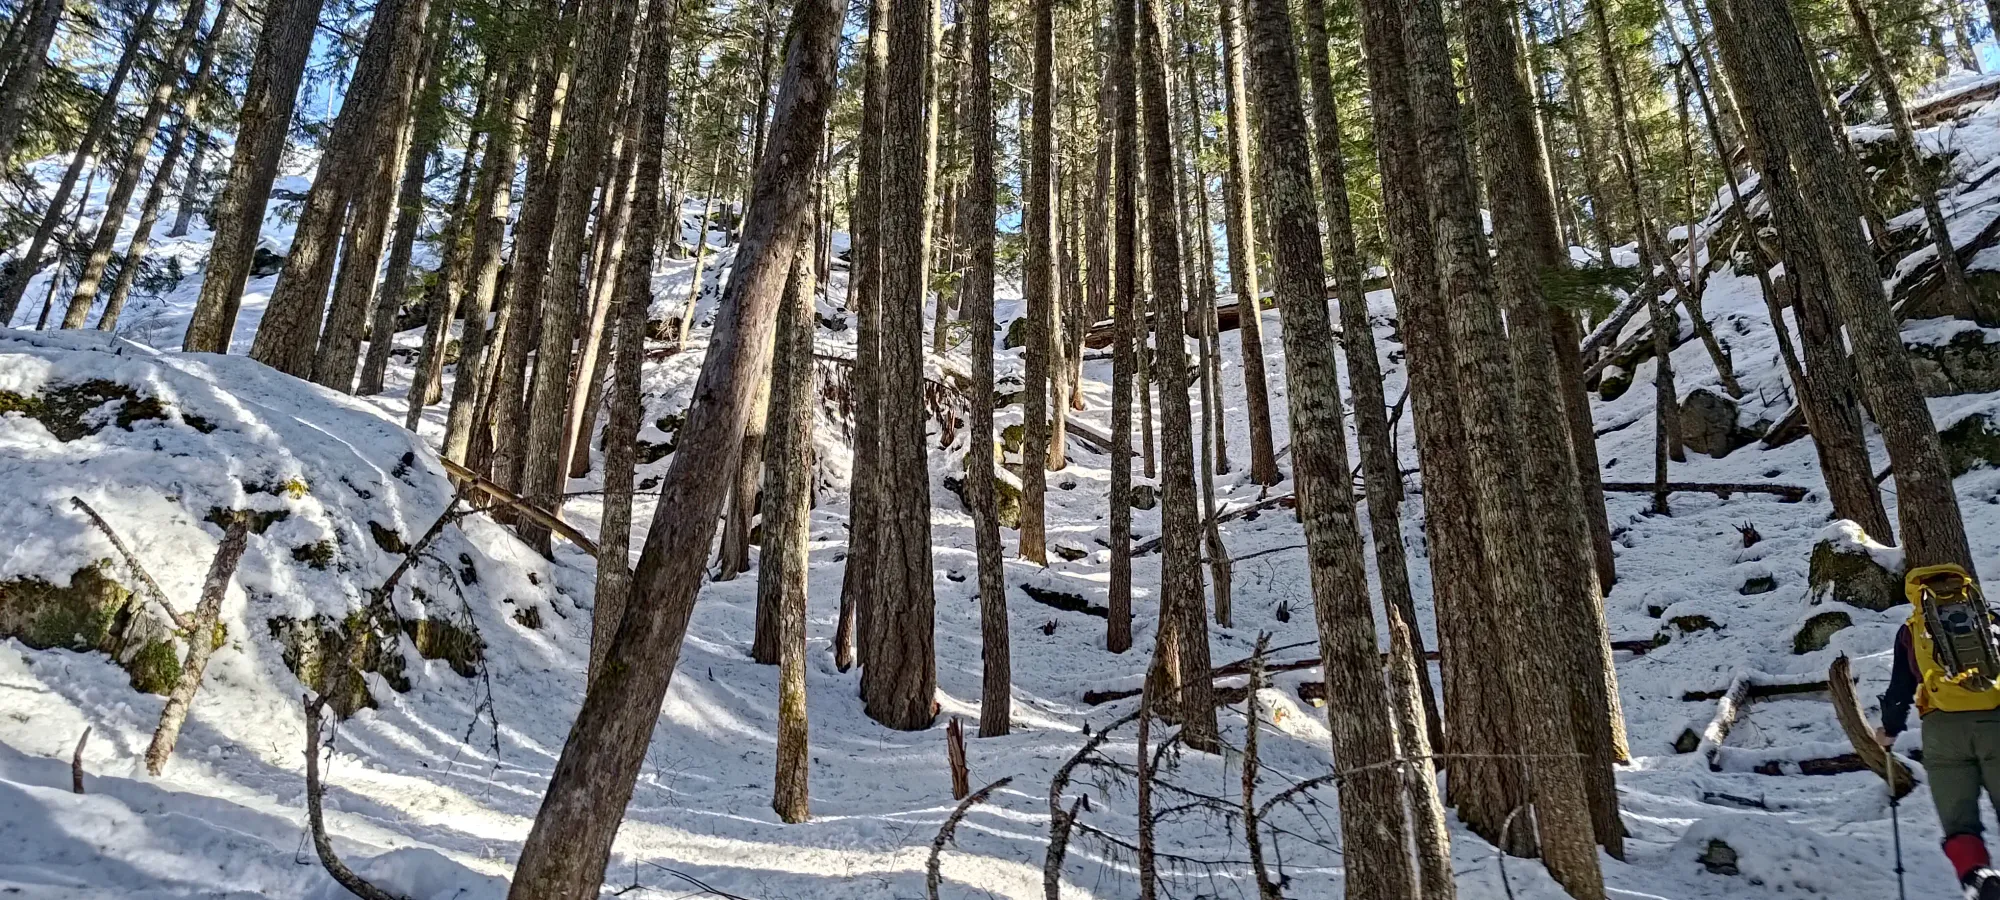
{"points": [[1849, 567], [1710, 424], [165, 447], [1953, 356], [1971, 438]]}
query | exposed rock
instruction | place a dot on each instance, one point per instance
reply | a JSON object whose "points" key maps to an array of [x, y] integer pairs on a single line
{"points": [[1758, 584], [1967, 363], [1613, 383], [310, 646], [1719, 858], [1819, 630], [317, 555], [71, 411], [1692, 623], [265, 262], [1006, 494], [93, 612], [1144, 495], [1017, 334], [1068, 551], [1709, 424], [1972, 442], [387, 538], [1846, 566]]}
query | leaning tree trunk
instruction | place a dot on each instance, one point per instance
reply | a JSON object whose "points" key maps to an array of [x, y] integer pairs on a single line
{"points": [[977, 208], [237, 215], [566, 851], [177, 139], [200, 646], [22, 78], [1927, 508], [899, 669], [1374, 824], [1181, 608], [31, 261], [138, 152], [1493, 447]]}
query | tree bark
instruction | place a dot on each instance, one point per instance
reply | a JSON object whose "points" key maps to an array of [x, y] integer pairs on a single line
{"points": [[1374, 824], [237, 215], [494, 196], [746, 478], [1239, 202], [899, 673], [865, 298], [1380, 471], [1927, 507], [1530, 246], [21, 79], [1181, 607], [1493, 447], [137, 153], [995, 650], [428, 113], [1124, 304], [177, 139], [30, 262], [787, 515], [1038, 274], [566, 851]]}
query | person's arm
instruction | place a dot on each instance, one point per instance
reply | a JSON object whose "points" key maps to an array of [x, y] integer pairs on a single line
{"points": [[1902, 686]]}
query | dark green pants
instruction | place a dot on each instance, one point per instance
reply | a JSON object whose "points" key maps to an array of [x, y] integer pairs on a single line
{"points": [[1961, 756]]}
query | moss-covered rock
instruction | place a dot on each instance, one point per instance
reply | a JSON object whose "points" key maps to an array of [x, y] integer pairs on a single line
{"points": [[1972, 442], [1967, 363], [93, 612], [316, 555], [1006, 494], [1017, 334], [70, 411], [1846, 568], [441, 640], [311, 647], [1710, 424], [1613, 383], [1690, 624], [387, 538], [1819, 630], [260, 519]]}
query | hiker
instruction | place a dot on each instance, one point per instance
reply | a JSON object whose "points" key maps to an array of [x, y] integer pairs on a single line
{"points": [[1947, 660]]}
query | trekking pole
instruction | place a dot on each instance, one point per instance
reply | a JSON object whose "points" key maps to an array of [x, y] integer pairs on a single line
{"points": [[1896, 833]]}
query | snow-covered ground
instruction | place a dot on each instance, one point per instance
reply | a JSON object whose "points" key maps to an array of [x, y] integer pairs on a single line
{"points": [[432, 791]]}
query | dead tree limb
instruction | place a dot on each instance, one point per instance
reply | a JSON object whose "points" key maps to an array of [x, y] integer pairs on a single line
{"points": [[132, 562], [954, 747], [315, 818], [545, 518], [1878, 759], [202, 640], [933, 878], [1252, 723], [1286, 501], [76, 763]]}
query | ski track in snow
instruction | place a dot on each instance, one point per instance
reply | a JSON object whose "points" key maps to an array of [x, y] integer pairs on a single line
{"points": [[420, 801]]}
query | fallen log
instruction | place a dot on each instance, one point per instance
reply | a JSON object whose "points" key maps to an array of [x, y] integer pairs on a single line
{"points": [[1281, 501], [1789, 493], [1760, 690], [1728, 708]]}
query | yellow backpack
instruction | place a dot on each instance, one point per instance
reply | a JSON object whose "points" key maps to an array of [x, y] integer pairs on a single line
{"points": [[1952, 635]]}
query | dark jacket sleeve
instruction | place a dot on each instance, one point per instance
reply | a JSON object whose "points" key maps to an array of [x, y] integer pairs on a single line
{"points": [[1902, 685]]}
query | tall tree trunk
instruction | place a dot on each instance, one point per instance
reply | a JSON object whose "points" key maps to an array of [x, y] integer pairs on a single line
{"points": [[493, 196], [787, 516], [427, 381], [21, 79], [177, 139], [1927, 507], [864, 293], [1373, 819], [1830, 393], [237, 216], [601, 45], [1377, 441], [362, 135], [566, 851], [1483, 789], [614, 216], [746, 477], [995, 650], [1038, 275], [138, 152], [1240, 203], [1124, 304], [190, 185], [1181, 607], [899, 673], [426, 134], [1493, 447], [1530, 248], [30, 262]]}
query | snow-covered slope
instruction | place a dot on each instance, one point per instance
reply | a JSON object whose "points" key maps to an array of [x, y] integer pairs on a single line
{"points": [[433, 788]]}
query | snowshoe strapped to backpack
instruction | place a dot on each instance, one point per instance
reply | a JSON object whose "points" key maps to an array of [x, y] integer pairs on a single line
{"points": [[1952, 632]]}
